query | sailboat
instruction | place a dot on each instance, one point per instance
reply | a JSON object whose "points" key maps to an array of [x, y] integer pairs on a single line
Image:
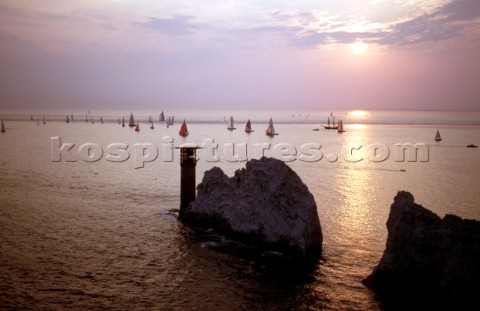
{"points": [[67, 119], [270, 130], [131, 123], [248, 127], [183, 129], [137, 128], [230, 125], [331, 126], [123, 121], [3, 127], [437, 136], [161, 118], [340, 126]]}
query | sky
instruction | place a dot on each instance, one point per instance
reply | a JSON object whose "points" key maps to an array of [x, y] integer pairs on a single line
{"points": [[248, 54]]}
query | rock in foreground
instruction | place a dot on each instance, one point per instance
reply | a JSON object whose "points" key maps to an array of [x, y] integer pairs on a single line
{"points": [[265, 203], [427, 253]]}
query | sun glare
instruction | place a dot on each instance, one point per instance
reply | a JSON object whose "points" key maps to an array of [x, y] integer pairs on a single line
{"points": [[358, 47], [358, 113]]}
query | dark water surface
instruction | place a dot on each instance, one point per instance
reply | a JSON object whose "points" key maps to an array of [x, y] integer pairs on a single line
{"points": [[99, 235]]}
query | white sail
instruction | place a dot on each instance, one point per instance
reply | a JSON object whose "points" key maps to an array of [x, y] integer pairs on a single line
{"points": [[270, 130], [131, 123], [230, 124]]}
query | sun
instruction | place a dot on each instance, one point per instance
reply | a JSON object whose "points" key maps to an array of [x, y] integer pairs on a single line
{"points": [[358, 47]]}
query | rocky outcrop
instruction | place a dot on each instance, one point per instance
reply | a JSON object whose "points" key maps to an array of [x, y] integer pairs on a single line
{"points": [[265, 203], [427, 253]]}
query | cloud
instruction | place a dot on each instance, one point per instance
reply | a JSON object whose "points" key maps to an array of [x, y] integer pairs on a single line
{"points": [[441, 24], [178, 25], [444, 23]]}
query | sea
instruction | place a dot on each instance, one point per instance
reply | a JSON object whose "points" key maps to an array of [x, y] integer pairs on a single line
{"points": [[88, 221]]}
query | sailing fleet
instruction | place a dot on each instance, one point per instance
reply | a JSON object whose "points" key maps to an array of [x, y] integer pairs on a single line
{"points": [[332, 124]]}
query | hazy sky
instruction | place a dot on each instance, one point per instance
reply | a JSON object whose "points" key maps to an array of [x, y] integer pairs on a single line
{"points": [[245, 54]]}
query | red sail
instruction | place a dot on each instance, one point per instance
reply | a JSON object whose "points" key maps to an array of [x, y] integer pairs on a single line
{"points": [[183, 130]]}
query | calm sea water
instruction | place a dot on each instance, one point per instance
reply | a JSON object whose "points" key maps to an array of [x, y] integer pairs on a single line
{"points": [[99, 235]]}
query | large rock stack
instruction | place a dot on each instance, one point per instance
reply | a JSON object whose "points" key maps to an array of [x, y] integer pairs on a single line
{"points": [[266, 203], [427, 253]]}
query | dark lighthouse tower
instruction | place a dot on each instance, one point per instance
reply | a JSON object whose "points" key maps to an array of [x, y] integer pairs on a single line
{"points": [[188, 161]]}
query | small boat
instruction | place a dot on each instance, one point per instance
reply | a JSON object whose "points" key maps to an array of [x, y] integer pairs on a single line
{"points": [[151, 126], [44, 122], [472, 146], [131, 123], [183, 129], [248, 127], [161, 118], [437, 136], [330, 126], [137, 128], [230, 125], [3, 127], [169, 121], [67, 119], [340, 126], [123, 121], [270, 130]]}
